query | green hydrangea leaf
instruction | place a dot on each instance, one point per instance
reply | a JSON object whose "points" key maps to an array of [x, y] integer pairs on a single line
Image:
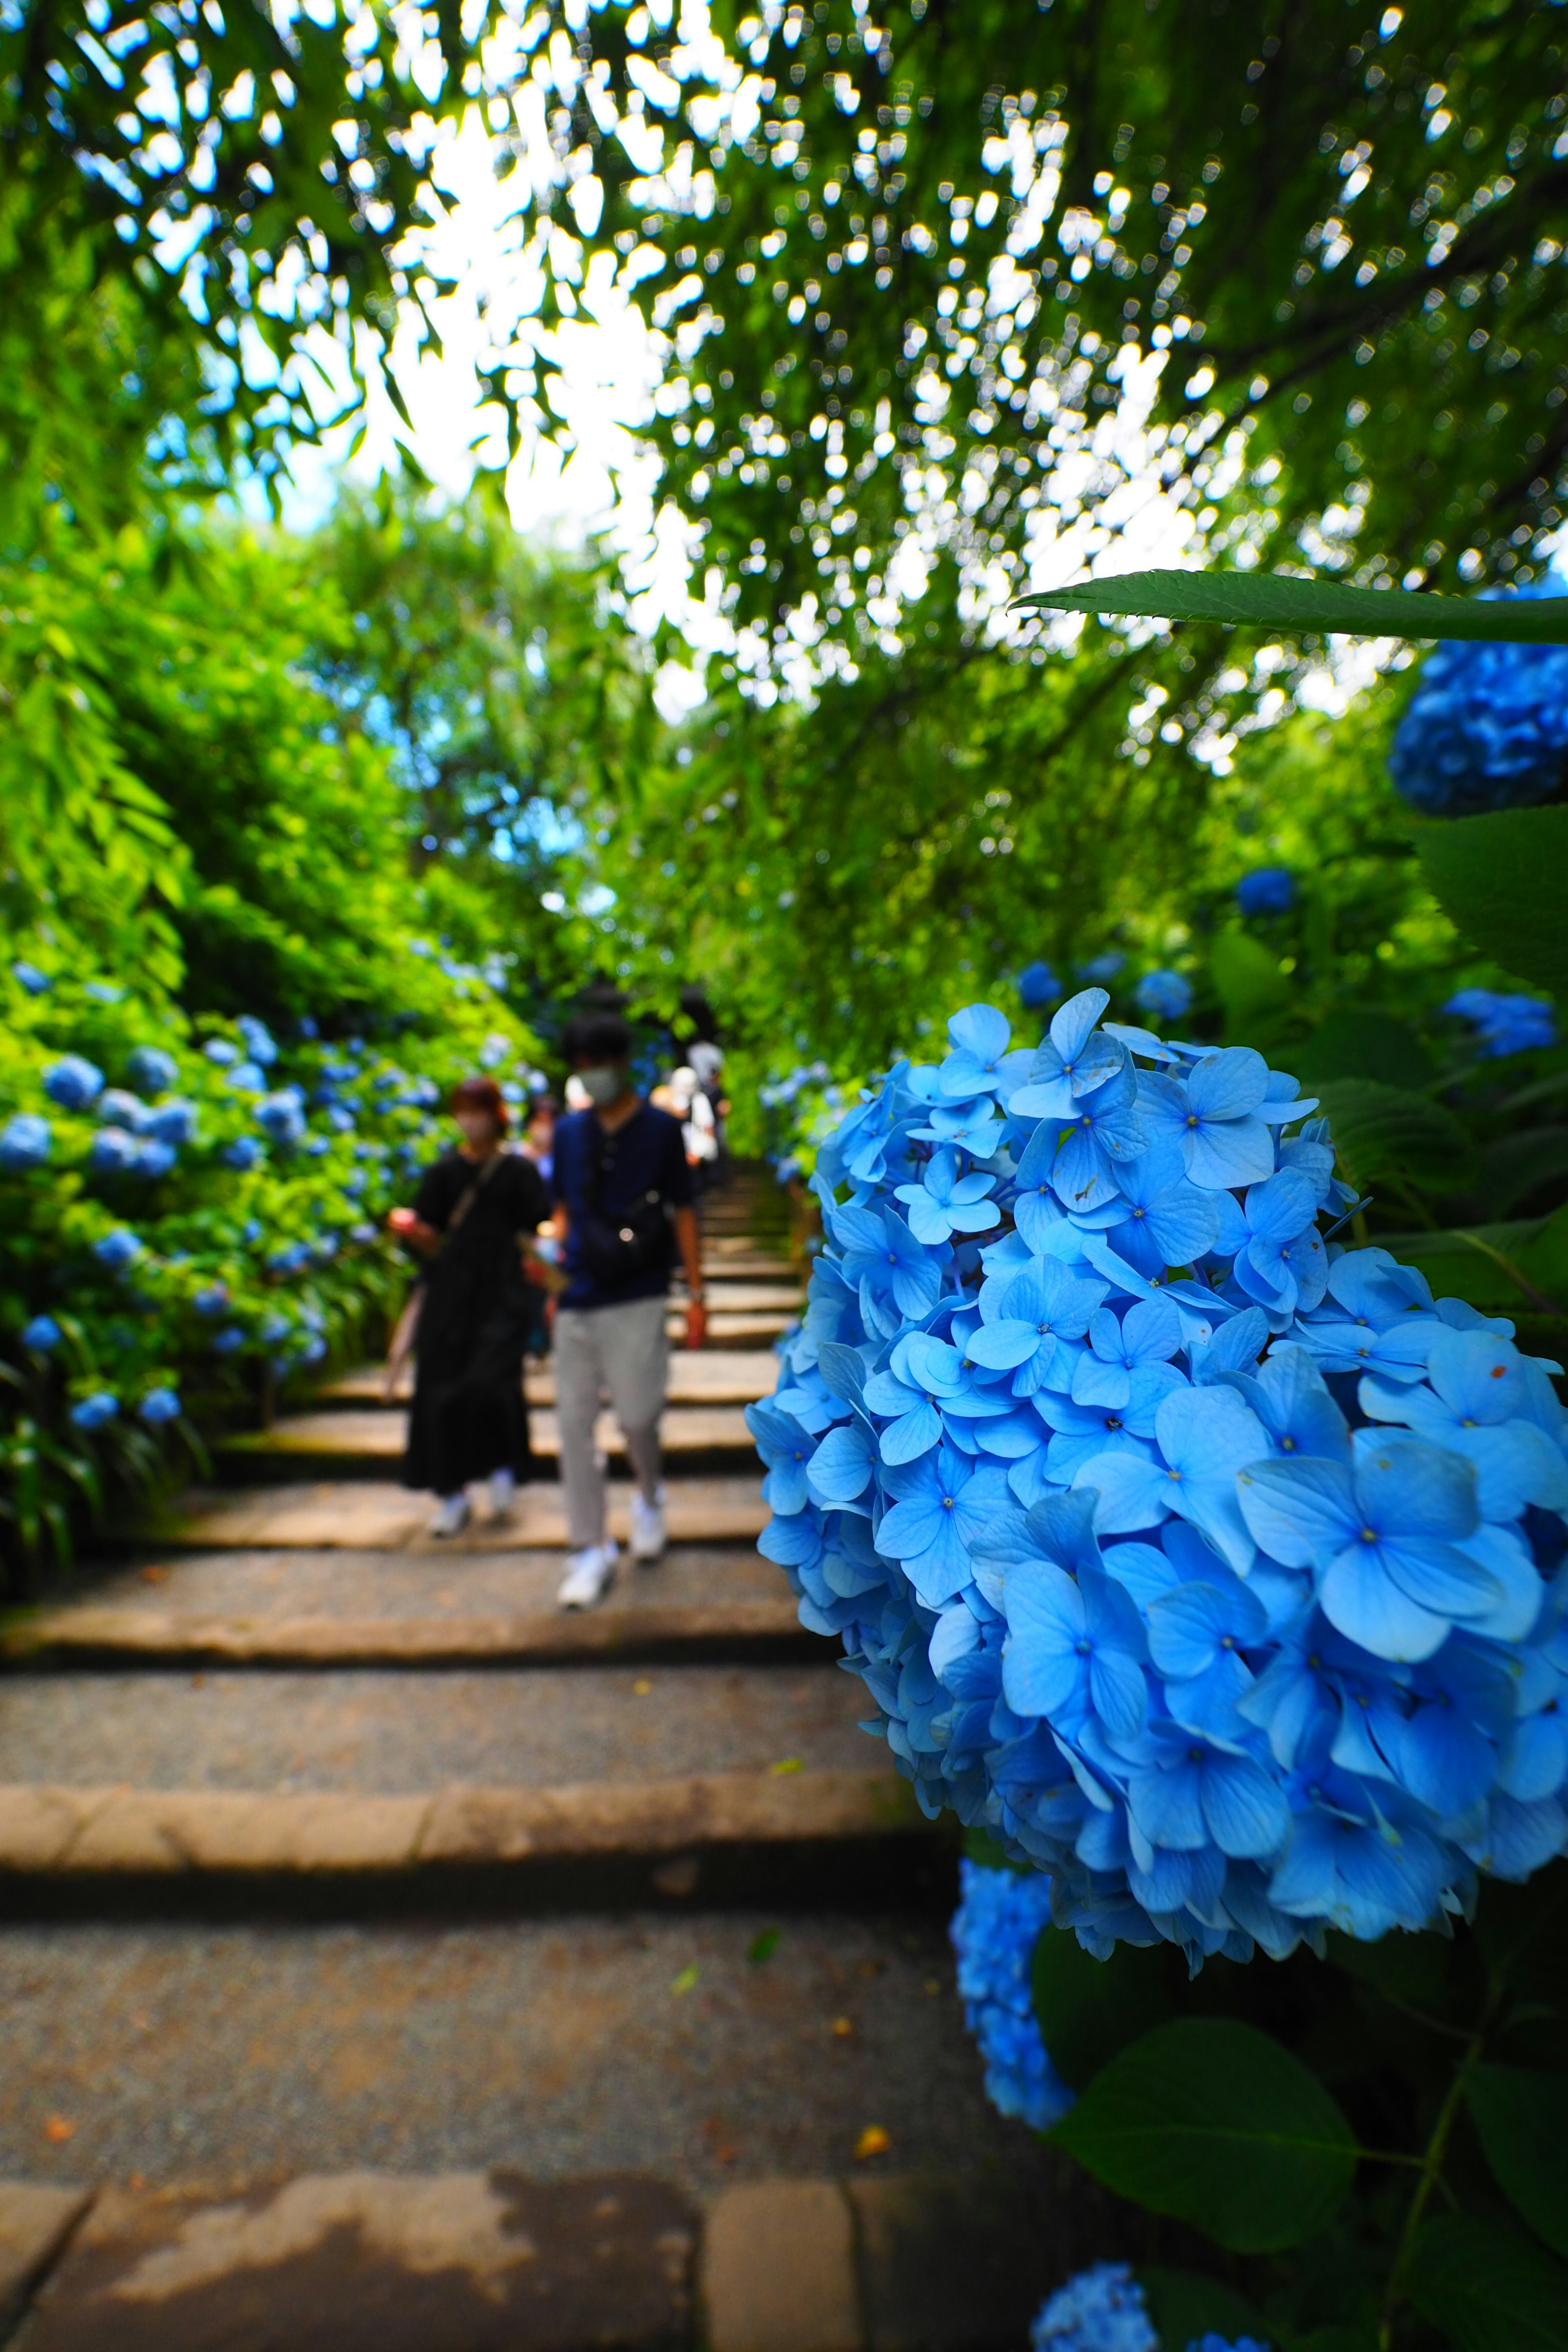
{"points": [[1486, 2288], [1519, 2115], [1212, 2122], [1384, 1131], [1087, 2010], [1504, 880], [1271, 602]]}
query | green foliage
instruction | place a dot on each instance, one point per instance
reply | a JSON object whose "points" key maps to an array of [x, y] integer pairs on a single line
{"points": [[182, 194], [1386, 1133], [1431, 2069], [933, 247], [1088, 2009], [1488, 2289], [1518, 2116], [1274, 603], [1212, 2122], [1504, 880]]}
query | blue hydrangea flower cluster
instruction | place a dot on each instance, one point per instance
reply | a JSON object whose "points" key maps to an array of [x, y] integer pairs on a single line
{"points": [[1487, 727], [995, 1930], [1211, 1566], [1163, 995], [1100, 2310], [1267, 890], [1504, 1024], [1103, 2310], [1037, 987]]}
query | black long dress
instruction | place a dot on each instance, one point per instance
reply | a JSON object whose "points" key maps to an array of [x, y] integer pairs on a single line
{"points": [[468, 1415]]}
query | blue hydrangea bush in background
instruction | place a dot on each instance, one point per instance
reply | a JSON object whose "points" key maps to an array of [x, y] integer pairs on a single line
{"points": [[192, 1213], [1487, 727]]}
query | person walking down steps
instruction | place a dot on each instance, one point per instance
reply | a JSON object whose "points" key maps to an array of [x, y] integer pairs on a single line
{"points": [[624, 1198], [476, 1210]]}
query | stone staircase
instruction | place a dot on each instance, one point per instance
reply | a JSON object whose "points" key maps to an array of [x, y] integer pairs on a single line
{"points": [[327, 1847]]}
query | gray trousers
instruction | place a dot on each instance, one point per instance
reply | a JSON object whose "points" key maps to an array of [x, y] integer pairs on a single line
{"points": [[616, 1352]]}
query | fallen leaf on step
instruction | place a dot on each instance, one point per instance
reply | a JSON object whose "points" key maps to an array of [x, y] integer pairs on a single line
{"points": [[873, 2141], [56, 2128], [154, 1576], [842, 2028], [762, 1947], [641, 1688], [787, 1764], [687, 1980]]}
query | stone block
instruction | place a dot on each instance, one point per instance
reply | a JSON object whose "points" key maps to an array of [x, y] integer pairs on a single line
{"points": [[368, 2262], [163, 1830], [37, 1824], [35, 2222], [778, 2270]]}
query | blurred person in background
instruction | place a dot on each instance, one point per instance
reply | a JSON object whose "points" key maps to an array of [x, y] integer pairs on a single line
{"points": [[475, 1215], [624, 1210], [538, 1143]]}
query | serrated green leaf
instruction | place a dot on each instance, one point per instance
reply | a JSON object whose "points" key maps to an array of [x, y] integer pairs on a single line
{"points": [[1504, 881], [1087, 2009], [1519, 2113], [1186, 2306], [1214, 2122], [1383, 1132], [1359, 1042], [1271, 601], [1486, 2288]]}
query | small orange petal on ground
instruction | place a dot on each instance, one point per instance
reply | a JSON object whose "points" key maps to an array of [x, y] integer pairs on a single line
{"points": [[154, 1576], [56, 2128], [873, 2141], [843, 2028]]}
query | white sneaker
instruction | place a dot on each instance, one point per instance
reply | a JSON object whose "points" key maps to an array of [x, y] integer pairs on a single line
{"points": [[503, 1493], [647, 1526], [589, 1575], [452, 1518]]}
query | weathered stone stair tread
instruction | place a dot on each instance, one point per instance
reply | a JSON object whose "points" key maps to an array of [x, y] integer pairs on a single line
{"points": [[379, 1436], [377, 1585], [734, 1376], [726, 1297], [398, 1731], [161, 1635], [365, 1513], [56, 1829]]}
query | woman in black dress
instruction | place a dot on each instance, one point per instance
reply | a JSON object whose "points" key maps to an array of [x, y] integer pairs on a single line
{"points": [[474, 1211]]}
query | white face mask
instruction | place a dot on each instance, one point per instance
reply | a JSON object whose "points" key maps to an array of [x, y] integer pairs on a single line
{"points": [[603, 1085]]}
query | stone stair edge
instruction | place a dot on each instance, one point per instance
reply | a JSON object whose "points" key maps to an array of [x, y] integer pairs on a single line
{"points": [[884, 2260], [89, 1629], [55, 1830]]}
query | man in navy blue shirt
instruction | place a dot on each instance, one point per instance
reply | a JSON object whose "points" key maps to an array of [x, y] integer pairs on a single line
{"points": [[623, 1195]]}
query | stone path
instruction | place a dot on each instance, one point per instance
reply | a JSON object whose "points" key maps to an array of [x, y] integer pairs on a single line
{"points": [[324, 1843]]}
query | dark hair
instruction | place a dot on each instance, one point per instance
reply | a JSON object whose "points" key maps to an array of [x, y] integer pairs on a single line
{"points": [[599, 1037], [479, 1094]]}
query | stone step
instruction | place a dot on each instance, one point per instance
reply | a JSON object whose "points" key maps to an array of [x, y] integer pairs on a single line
{"points": [[389, 1732], [379, 1608], [312, 1609], [695, 1437], [67, 1830], [726, 1297], [701, 1377], [481, 2260], [362, 1514], [101, 1636]]}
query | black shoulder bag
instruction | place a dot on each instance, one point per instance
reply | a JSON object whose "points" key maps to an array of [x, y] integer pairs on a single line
{"points": [[622, 1246]]}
